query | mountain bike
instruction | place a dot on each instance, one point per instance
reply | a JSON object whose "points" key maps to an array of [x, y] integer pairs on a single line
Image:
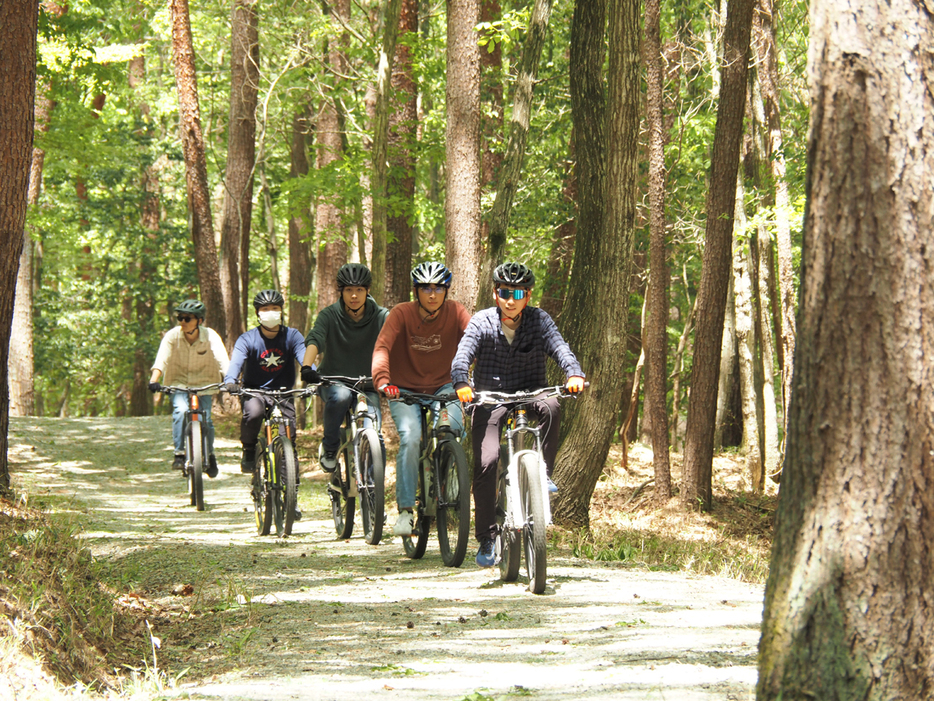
{"points": [[443, 489], [523, 508], [197, 451], [274, 489], [361, 465]]}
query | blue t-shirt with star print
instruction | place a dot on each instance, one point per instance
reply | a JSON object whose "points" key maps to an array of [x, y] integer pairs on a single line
{"points": [[266, 363]]}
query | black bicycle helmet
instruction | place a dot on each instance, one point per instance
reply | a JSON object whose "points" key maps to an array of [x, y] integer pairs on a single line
{"points": [[191, 306], [515, 274], [354, 275], [431, 273], [265, 297]]}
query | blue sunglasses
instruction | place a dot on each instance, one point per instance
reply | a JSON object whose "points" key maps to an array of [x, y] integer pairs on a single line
{"points": [[511, 294]]}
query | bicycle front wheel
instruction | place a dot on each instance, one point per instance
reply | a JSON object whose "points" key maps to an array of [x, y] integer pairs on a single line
{"points": [[342, 505], [196, 466], [452, 490], [284, 494], [262, 501], [530, 487], [509, 540], [372, 486]]}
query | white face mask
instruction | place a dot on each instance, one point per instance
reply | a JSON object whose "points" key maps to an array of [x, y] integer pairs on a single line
{"points": [[270, 319]]}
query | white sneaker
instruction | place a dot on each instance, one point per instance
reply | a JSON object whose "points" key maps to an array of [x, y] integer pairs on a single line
{"points": [[328, 461], [404, 524]]}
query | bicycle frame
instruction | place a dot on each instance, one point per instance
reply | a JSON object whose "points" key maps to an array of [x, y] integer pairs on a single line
{"points": [[355, 423], [517, 429]]}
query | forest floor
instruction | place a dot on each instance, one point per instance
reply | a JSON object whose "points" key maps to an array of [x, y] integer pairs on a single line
{"points": [[240, 616]]}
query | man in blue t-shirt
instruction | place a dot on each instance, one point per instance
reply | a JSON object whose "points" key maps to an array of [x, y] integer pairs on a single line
{"points": [[265, 357]]}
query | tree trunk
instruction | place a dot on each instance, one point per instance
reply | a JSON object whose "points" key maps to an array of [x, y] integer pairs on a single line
{"points": [[728, 419], [380, 153], [301, 263], [599, 296], [711, 298], [17, 118], [656, 323], [511, 168], [683, 349], [561, 255], [847, 603], [403, 123], [329, 218], [196, 173], [771, 450], [241, 157], [462, 150]]}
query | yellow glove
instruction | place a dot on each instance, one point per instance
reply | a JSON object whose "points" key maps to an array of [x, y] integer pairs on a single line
{"points": [[465, 394], [575, 384]]}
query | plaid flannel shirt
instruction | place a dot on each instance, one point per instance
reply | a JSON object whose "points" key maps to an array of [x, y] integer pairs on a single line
{"points": [[519, 366]]}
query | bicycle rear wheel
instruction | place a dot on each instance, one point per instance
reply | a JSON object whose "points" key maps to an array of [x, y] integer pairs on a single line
{"points": [[284, 495], [414, 546], [372, 486], [509, 541], [262, 502], [342, 505], [196, 466], [530, 487], [452, 490]]}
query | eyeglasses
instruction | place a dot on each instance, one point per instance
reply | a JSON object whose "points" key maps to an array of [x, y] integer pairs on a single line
{"points": [[511, 294], [432, 289], [185, 319]]}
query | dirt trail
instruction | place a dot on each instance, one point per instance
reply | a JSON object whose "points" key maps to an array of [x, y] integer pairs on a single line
{"points": [[311, 617]]}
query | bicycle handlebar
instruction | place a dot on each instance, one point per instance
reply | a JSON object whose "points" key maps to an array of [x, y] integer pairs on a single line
{"points": [[354, 383], [407, 397], [493, 397], [274, 393], [165, 389]]}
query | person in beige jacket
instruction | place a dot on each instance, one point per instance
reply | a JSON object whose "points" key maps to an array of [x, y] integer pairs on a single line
{"points": [[190, 355]]}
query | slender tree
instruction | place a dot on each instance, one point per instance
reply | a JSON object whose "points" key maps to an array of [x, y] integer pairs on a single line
{"points": [[711, 299], [301, 261], [598, 304], [462, 150], [848, 608], [237, 207], [17, 118], [196, 174]]}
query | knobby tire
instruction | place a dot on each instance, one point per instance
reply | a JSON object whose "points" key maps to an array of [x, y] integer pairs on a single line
{"points": [[372, 487], [530, 487], [452, 491], [285, 492], [196, 468], [342, 506], [262, 497], [509, 540]]}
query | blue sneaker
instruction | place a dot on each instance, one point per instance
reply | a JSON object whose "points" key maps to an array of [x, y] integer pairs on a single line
{"points": [[486, 555], [552, 487]]}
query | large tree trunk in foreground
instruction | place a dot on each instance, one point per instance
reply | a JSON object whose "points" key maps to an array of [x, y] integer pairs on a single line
{"points": [[848, 607], [196, 170], [462, 150], [17, 85], [241, 157], [599, 297], [711, 298]]}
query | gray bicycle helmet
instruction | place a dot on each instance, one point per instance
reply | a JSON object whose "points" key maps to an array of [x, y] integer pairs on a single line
{"points": [[354, 275], [191, 306], [431, 273], [515, 274], [265, 297]]}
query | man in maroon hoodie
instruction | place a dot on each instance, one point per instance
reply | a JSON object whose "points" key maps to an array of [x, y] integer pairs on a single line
{"points": [[414, 351]]}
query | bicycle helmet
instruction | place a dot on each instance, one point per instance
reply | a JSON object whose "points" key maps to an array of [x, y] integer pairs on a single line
{"points": [[354, 275], [515, 274], [191, 306], [431, 274], [265, 297]]}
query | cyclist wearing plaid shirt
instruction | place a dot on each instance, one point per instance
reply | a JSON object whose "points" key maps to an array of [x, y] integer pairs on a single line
{"points": [[509, 344]]}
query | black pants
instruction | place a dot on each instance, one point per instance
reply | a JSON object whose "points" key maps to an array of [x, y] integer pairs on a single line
{"points": [[487, 425], [254, 409]]}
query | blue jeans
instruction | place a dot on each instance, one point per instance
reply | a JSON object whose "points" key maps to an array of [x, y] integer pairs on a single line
{"points": [[337, 401], [179, 407], [407, 418]]}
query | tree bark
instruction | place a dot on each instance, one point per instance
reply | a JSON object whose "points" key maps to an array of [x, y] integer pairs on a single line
{"points": [[196, 173], [241, 157], [510, 169], [561, 256], [403, 123], [847, 607], [462, 150], [301, 263], [711, 298], [599, 297], [17, 118], [656, 322]]}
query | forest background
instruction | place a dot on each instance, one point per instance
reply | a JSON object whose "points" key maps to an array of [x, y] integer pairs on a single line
{"points": [[260, 168]]}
